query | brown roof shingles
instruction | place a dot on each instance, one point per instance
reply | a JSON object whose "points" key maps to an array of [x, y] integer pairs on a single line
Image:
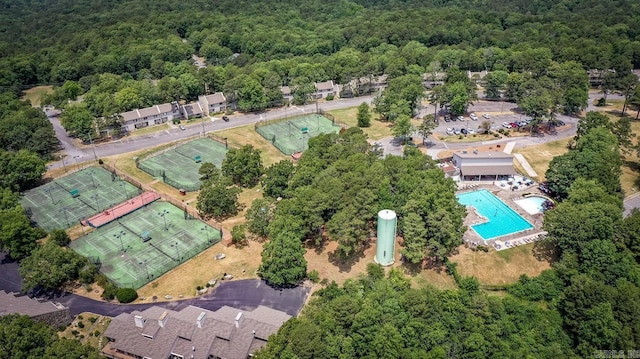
{"points": [[219, 335]]}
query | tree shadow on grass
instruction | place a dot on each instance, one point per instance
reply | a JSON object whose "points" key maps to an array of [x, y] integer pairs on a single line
{"points": [[544, 250], [345, 264], [414, 269]]}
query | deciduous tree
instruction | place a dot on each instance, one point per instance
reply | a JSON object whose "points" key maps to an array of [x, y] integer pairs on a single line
{"points": [[243, 166], [364, 116], [283, 262]]}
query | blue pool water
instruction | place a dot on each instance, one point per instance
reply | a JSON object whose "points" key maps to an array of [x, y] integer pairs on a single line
{"points": [[502, 219]]}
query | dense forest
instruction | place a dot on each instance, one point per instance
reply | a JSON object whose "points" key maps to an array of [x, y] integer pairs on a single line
{"points": [[125, 54], [51, 42]]}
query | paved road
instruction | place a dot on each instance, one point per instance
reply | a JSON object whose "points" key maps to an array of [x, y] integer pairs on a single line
{"points": [[241, 294], [630, 203], [129, 144]]}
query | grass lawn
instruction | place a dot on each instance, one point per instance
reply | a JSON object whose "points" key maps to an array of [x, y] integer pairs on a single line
{"points": [[376, 131], [149, 130], [88, 328], [246, 135], [35, 94], [539, 156], [499, 267], [182, 281]]}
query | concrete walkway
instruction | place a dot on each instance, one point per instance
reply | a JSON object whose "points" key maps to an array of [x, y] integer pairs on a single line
{"points": [[509, 147], [527, 167]]}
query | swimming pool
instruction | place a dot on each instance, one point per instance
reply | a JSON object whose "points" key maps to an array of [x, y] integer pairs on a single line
{"points": [[502, 220], [532, 204]]}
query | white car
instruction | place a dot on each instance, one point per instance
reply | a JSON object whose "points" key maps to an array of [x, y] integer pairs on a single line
{"points": [[449, 131], [486, 115], [473, 116], [471, 131], [506, 125]]}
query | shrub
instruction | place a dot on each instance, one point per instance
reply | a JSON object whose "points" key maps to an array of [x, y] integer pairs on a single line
{"points": [[110, 290], [238, 235], [80, 325], [601, 102], [199, 288], [126, 295], [80, 317], [93, 319], [496, 135], [96, 333], [75, 333], [329, 98], [60, 237], [314, 276], [100, 161]]}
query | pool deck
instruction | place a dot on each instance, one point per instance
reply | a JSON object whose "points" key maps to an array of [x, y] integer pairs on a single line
{"points": [[472, 239]]}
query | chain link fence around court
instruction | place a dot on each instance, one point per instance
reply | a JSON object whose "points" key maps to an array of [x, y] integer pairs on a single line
{"points": [[63, 202], [142, 246], [179, 165], [291, 135]]}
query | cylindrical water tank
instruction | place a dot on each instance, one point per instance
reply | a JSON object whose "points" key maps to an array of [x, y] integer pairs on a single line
{"points": [[386, 237]]}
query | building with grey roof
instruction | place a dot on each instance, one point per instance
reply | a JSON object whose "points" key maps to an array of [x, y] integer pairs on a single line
{"points": [[213, 103], [324, 89], [54, 314], [150, 116], [191, 333], [484, 166]]}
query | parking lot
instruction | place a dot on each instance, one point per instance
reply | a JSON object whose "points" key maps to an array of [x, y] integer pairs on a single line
{"points": [[495, 112]]}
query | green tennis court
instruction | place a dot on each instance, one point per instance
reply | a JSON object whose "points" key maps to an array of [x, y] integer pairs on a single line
{"points": [[179, 167], [145, 244], [292, 135], [65, 201]]}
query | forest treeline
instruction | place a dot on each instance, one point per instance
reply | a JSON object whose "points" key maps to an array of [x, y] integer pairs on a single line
{"points": [[51, 42]]}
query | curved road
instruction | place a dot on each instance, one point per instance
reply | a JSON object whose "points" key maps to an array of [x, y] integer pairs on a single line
{"points": [[242, 294]]}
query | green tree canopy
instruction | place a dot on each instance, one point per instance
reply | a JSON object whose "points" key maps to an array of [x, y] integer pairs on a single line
{"points": [[243, 166], [283, 260], [50, 266]]}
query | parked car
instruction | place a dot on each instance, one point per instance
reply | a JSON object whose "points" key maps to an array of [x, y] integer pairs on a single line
{"points": [[225, 118], [471, 131], [456, 131], [464, 131], [449, 131], [522, 123], [182, 127], [454, 118], [460, 118], [513, 125], [486, 115], [473, 116], [558, 123], [447, 119], [506, 125]]}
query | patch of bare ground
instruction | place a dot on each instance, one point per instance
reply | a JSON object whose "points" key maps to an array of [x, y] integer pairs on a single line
{"points": [[330, 265]]}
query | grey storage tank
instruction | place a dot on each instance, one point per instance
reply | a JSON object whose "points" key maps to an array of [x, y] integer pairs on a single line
{"points": [[385, 246]]}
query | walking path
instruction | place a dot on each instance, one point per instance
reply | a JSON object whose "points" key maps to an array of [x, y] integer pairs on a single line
{"points": [[509, 147], [527, 167]]}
